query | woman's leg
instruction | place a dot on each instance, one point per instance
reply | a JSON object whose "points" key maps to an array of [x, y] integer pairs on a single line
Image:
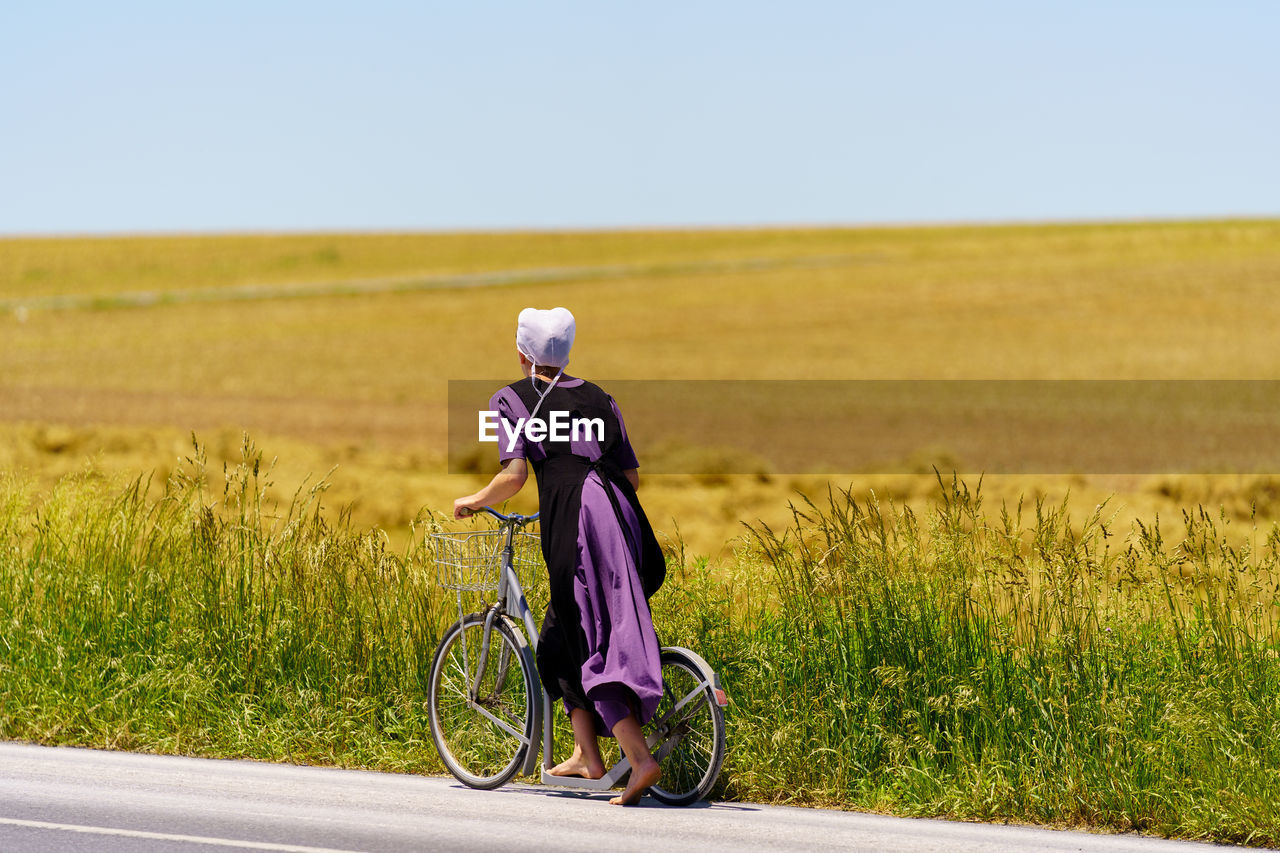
{"points": [[586, 760], [644, 770]]}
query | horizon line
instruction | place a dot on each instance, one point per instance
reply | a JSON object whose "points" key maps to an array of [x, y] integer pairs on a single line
{"points": [[888, 225]]}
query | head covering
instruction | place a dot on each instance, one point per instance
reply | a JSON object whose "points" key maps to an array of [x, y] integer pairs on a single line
{"points": [[545, 336]]}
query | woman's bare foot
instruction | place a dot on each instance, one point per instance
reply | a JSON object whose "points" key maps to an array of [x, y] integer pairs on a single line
{"points": [[585, 761], [644, 770], [577, 765], [637, 783]]}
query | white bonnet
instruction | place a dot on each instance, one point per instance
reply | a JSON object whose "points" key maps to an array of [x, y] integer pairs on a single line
{"points": [[545, 336]]}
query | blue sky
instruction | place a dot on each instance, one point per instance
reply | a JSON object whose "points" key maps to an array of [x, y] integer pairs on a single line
{"points": [[141, 116]]}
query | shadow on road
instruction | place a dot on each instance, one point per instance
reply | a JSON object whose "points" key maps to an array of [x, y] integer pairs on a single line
{"points": [[603, 797]]}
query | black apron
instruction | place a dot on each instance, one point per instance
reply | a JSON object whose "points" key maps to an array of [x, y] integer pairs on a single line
{"points": [[562, 642]]}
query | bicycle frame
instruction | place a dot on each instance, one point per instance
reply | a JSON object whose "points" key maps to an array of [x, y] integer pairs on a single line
{"points": [[511, 602]]}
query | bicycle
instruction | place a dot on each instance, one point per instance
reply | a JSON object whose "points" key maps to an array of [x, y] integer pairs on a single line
{"points": [[486, 702]]}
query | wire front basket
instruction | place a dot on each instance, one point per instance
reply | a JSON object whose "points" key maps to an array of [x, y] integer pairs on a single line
{"points": [[472, 561]]}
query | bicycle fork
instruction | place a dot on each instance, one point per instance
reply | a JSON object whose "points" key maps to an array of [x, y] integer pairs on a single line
{"points": [[504, 658]]}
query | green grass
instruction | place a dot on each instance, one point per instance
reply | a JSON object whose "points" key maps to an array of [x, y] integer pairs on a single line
{"points": [[1017, 671], [212, 623], [1028, 668]]}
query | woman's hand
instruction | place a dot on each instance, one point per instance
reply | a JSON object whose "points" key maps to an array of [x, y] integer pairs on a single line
{"points": [[504, 485], [464, 507]]}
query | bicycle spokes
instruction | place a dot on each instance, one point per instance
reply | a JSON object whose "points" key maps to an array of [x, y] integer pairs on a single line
{"points": [[482, 702], [687, 731]]}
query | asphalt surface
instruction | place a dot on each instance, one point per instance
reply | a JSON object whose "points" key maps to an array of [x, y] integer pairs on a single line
{"points": [[58, 799]]}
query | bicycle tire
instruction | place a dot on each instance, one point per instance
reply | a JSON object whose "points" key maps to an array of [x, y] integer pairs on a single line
{"points": [[476, 750], [692, 762]]}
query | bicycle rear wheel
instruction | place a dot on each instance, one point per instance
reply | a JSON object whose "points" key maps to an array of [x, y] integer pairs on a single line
{"points": [[483, 734], [690, 727]]}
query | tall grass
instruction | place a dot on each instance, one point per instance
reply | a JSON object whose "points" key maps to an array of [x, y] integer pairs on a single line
{"points": [[1023, 665], [213, 623], [1025, 669]]}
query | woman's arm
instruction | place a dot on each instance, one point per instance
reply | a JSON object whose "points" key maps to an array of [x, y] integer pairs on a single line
{"points": [[504, 485], [633, 477]]}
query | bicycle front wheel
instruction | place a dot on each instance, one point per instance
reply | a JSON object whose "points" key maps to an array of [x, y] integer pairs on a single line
{"points": [[482, 701], [689, 726]]}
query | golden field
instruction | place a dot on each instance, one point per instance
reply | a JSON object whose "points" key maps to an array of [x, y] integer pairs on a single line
{"points": [[335, 349]]}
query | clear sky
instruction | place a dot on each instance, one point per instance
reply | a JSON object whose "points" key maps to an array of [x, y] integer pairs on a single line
{"points": [[171, 116]]}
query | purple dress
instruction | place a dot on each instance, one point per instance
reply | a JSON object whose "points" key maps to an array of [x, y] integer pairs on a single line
{"points": [[597, 648]]}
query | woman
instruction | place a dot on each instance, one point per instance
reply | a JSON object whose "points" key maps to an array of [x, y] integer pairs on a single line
{"points": [[597, 649]]}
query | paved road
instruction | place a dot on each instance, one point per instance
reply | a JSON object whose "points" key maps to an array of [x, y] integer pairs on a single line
{"points": [[85, 800]]}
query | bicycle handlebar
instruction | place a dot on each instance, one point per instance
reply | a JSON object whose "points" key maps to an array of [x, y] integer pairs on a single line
{"points": [[515, 517]]}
